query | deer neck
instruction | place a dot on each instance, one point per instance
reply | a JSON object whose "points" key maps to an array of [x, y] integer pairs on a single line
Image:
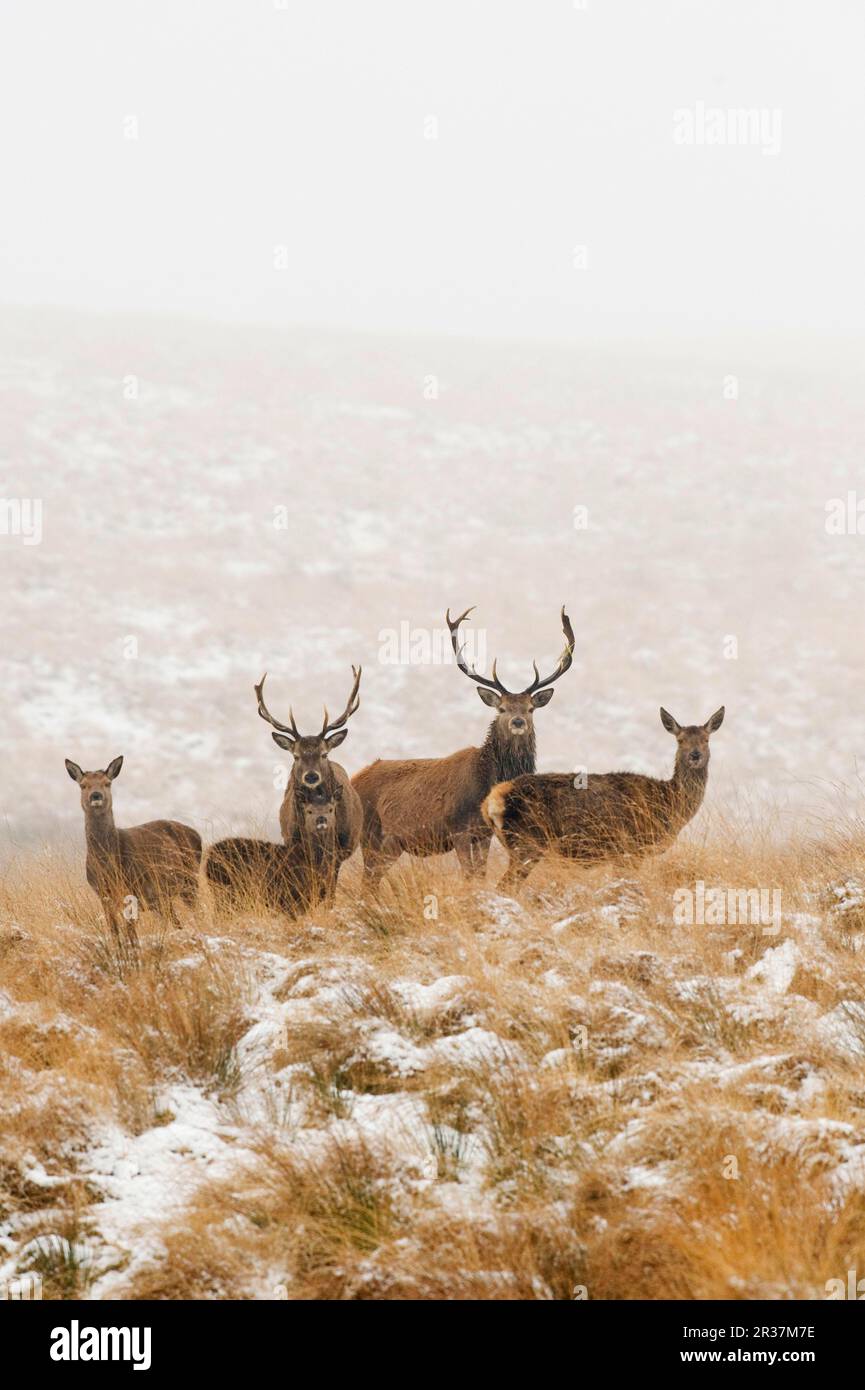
{"points": [[302, 793], [687, 789], [504, 757], [100, 833]]}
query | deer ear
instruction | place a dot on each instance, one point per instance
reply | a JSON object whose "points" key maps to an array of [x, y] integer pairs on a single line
{"points": [[542, 698], [669, 722], [717, 719], [283, 742], [489, 697], [73, 769], [335, 739], [113, 768]]}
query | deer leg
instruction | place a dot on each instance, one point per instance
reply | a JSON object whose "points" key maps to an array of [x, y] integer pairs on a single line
{"points": [[131, 933], [189, 893], [472, 852], [520, 865], [321, 886], [330, 883], [331, 878], [370, 852], [114, 916], [190, 897], [372, 872], [480, 853], [111, 918], [376, 860]]}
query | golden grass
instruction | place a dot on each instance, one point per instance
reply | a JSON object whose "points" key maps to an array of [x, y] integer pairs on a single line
{"points": [[447, 1094]]}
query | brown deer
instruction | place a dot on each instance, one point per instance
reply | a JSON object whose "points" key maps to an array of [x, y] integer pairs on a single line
{"points": [[288, 878], [610, 815], [429, 806], [152, 863], [313, 769]]}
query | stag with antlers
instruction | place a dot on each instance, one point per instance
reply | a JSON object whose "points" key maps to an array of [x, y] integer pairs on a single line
{"points": [[425, 806], [311, 774]]}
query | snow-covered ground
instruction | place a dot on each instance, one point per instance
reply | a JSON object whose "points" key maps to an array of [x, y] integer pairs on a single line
{"points": [[219, 501], [458, 1094]]}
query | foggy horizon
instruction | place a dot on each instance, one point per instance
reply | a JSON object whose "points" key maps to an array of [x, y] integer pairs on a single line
{"points": [[509, 174]]}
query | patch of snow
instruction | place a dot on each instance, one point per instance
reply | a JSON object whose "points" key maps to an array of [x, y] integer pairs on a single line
{"points": [[843, 1028], [776, 968]]}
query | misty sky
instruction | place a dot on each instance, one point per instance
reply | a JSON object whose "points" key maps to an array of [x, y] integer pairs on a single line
{"points": [[296, 132]]}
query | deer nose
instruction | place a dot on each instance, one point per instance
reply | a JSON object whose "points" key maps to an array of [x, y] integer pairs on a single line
{"points": [[311, 779], [518, 722], [696, 755], [96, 798]]}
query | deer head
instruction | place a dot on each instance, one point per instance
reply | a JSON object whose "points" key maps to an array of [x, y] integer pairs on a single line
{"points": [[310, 752], [692, 739], [514, 710], [95, 786], [319, 810]]}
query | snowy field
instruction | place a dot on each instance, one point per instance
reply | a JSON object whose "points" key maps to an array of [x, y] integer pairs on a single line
{"points": [[219, 501], [497, 1098], [569, 1096]]}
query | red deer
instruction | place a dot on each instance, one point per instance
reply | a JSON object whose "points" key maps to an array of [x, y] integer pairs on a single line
{"points": [[429, 806], [613, 815], [313, 769], [286, 878], [153, 863]]}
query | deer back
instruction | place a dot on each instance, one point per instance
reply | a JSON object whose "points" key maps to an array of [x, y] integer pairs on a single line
{"points": [[610, 813], [423, 799], [159, 857]]}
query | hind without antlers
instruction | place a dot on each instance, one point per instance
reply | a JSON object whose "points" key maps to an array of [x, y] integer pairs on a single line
{"points": [[289, 878], [609, 815], [152, 863]]}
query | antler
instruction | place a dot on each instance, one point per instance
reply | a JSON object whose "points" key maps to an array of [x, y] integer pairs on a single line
{"points": [[564, 661], [491, 684], [352, 705], [290, 729]]}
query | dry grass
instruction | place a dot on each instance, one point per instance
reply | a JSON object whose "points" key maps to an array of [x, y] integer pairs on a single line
{"points": [[443, 1093]]}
